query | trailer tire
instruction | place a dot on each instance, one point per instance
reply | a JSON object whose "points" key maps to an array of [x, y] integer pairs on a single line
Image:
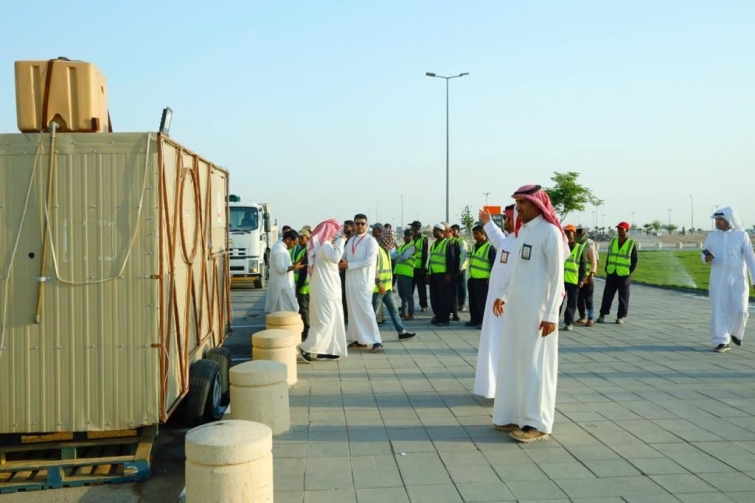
{"points": [[204, 376], [260, 281], [223, 357]]}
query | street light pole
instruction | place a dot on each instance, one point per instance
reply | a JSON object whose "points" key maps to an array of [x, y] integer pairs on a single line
{"points": [[692, 212], [430, 74], [402, 211], [669, 217], [486, 197]]}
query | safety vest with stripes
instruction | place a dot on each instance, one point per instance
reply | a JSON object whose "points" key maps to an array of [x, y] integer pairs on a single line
{"points": [[305, 289], [404, 268], [571, 265], [479, 264], [383, 270], [438, 256], [619, 258]]}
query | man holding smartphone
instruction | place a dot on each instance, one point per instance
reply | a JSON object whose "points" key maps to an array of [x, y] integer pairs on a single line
{"points": [[729, 252]]}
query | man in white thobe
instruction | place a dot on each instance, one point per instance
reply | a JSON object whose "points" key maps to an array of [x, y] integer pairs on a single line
{"points": [[360, 262], [492, 326], [280, 287], [729, 252], [525, 397], [327, 334]]}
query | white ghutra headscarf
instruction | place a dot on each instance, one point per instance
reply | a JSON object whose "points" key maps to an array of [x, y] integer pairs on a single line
{"points": [[728, 214]]}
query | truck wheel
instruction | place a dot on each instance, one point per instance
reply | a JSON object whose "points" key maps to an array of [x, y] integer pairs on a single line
{"points": [[223, 357], [260, 281], [204, 384]]}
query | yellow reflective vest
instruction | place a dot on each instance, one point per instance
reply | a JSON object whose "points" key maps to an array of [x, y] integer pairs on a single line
{"points": [[404, 268], [619, 258], [571, 265], [479, 264], [438, 256], [384, 274]]}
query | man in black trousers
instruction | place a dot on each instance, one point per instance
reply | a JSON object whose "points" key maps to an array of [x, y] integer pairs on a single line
{"points": [[442, 268], [620, 264]]}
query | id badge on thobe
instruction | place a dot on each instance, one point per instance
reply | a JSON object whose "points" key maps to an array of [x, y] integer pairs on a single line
{"points": [[504, 257], [526, 252]]}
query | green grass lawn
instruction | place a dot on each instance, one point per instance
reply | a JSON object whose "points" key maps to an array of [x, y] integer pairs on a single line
{"points": [[680, 268]]}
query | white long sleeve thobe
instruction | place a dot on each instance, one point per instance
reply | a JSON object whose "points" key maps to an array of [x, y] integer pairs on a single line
{"points": [[528, 363], [361, 254], [728, 290], [327, 333], [280, 288], [492, 326]]}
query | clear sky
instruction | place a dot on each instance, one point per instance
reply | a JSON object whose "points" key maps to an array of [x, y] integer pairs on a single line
{"points": [[323, 109]]}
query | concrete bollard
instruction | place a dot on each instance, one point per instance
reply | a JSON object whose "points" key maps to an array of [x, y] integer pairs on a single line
{"points": [[660, 246], [285, 320], [229, 461], [679, 245], [639, 245], [699, 246], [279, 346], [259, 393]]}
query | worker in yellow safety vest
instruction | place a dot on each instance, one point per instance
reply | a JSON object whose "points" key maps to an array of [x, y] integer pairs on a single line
{"points": [[620, 264], [301, 281], [441, 270], [419, 281], [574, 275], [481, 261], [403, 273]]}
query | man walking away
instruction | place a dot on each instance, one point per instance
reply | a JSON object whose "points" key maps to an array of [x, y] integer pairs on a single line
{"points": [[360, 261], [525, 397], [420, 264], [480, 264], [441, 271], [584, 301], [403, 272], [729, 252], [383, 293], [280, 294], [327, 340], [574, 275], [301, 281], [620, 264]]}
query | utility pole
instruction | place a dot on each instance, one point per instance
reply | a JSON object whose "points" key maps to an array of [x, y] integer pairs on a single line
{"points": [[486, 197]]}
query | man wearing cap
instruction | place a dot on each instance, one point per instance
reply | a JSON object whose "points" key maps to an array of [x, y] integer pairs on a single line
{"points": [[420, 264], [620, 264], [728, 250], [383, 293], [488, 351], [584, 301], [280, 295], [574, 275], [525, 396], [301, 280], [441, 270], [403, 271], [360, 262]]}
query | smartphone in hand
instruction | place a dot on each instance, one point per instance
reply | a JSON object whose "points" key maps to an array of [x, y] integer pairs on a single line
{"points": [[708, 253]]}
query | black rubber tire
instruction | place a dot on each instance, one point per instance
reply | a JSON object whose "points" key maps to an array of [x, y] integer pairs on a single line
{"points": [[223, 357], [214, 408], [260, 281], [201, 378]]}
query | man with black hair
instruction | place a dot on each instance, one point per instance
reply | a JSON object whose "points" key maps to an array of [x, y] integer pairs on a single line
{"points": [[481, 263], [280, 290]]}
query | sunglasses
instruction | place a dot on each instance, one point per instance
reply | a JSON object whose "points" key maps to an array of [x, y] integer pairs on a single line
{"points": [[360, 223]]}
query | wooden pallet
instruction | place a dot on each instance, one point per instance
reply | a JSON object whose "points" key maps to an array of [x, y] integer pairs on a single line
{"points": [[33, 462]]}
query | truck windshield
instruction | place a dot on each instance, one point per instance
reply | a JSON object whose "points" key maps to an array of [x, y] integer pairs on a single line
{"points": [[244, 218]]}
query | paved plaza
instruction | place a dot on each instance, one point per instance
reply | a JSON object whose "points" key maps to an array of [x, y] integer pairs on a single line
{"points": [[645, 413]]}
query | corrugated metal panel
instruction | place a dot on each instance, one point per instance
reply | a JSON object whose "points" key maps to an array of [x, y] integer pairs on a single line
{"points": [[89, 364]]}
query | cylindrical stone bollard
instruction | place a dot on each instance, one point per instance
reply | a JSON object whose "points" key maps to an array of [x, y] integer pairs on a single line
{"points": [[259, 392], [680, 245], [699, 246], [660, 246], [639, 245], [279, 346], [229, 461], [285, 320]]}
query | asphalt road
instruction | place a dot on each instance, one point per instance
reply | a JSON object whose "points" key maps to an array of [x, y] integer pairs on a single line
{"points": [[167, 478]]}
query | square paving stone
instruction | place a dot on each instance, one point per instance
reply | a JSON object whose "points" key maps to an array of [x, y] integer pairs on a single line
{"points": [[634, 486], [566, 471], [315, 481], [382, 462], [485, 491], [520, 472], [340, 496], [678, 484], [391, 495], [658, 466], [612, 468], [593, 488], [463, 458], [729, 482], [370, 448], [470, 474], [591, 453], [747, 497], [371, 479], [535, 490], [434, 494], [341, 464], [705, 498]]}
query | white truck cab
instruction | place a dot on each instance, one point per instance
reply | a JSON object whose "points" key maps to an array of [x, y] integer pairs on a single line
{"points": [[251, 239]]}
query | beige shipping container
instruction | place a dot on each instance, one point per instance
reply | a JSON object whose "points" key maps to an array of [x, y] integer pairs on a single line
{"points": [[135, 285]]}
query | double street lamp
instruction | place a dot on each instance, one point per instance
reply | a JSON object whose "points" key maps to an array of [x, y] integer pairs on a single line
{"points": [[430, 74]]}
